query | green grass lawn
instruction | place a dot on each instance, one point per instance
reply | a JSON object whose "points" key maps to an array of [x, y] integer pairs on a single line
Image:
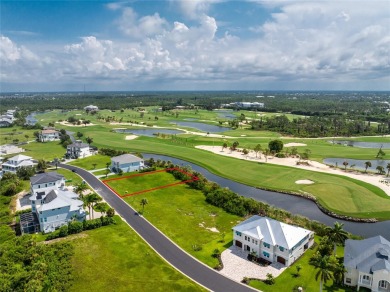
{"points": [[137, 183], [47, 151], [183, 215], [115, 258], [69, 175], [88, 162]]}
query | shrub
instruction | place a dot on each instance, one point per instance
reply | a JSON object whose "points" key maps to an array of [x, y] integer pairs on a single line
{"points": [[270, 279], [53, 235], [63, 231], [196, 247], [75, 227], [280, 155], [111, 212]]}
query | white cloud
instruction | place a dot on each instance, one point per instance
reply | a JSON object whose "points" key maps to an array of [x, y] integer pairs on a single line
{"points": [[146, 26], [304, 43], [194, 9]]}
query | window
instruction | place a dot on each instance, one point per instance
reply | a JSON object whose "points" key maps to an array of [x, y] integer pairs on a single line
{"points": [[266, 245], [238, 233], [45, 219], [266, 254], [281, 248], [348, 280], [41, 220], [383, 284], [366, 277], [245, 237]]}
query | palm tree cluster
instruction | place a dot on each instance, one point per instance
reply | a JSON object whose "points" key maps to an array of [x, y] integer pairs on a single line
{"points": [[328, 266]]}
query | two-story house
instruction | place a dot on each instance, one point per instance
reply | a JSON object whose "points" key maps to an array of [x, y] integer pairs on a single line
{"points": [[272, 240], [78, 150], [49, 135], [126, 162], [14, 163], [367, 263], [53, 204]]}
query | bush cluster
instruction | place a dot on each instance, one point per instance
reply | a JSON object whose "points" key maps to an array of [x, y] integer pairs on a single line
{"points": [[111, 152], [74, 227]]}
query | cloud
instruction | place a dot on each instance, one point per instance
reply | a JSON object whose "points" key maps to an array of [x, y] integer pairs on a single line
{"points": [[316, 45], [150, 25], [194, 9]]}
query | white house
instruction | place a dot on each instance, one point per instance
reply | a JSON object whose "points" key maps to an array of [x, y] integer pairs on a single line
{"points": [[49, 135], [78, 150], [53, 204], [127, 162], [272, 240], [367, 263], [14, 163], [91, 108]]}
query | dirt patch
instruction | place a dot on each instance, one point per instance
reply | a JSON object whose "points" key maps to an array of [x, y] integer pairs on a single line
{"points": [[294, 144], [304, 182]]}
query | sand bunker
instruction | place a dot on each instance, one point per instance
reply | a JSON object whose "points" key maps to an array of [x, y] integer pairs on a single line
{"points": [[304, 182], [131, 137], [294, 144]]}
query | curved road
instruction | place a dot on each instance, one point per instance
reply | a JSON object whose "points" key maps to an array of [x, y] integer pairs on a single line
{"points": [[166, 248]]}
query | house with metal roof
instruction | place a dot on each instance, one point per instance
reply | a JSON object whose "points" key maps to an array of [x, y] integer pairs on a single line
{"points": [[367, 263], [126, 162], [14, 163], [272, 240], [52, 203], [78, 150]]}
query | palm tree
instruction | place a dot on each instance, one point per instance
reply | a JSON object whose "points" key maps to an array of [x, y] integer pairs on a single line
{"points": [[345, 163], [80, 188], [388, 169], [380, 169], [102, 208], [56, 162], [257, 149], [224, 145], [107, 172], [339, 272], [90, 200], [266, 153], [367, 164], [144, 202], [42, 165], [324, 266], [337, 234]]}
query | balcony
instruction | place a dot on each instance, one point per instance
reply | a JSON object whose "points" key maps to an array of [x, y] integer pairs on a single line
{"points": [[366, 283]]}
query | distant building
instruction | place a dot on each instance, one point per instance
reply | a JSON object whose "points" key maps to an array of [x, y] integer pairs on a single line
{"points": [[5, 122], [91, 108], [244, 105], [49, 135], [367, 263], [126, 162], [78, 150], [52, 204], [272, 240], [10, 149], [14, 163]]}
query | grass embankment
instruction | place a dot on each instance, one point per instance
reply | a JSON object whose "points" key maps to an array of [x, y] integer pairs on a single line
{"points": [[183, 215], [88, 163], [115, 258]]}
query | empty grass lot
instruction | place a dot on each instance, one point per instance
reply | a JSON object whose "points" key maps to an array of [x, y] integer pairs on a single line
{"points": [[183, 215], [140, 181], [115, 258]]}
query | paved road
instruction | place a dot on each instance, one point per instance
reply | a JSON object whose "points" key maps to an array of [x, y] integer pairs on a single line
{"points": [[167, 249]]}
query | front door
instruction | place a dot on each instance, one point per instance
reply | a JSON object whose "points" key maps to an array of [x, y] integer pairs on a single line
{"points": [[281, 260]]}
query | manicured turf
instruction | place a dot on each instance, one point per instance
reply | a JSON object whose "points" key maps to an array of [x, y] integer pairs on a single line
{"points": [[182, 214], [88, 162], [136, 182], [115, 258]]}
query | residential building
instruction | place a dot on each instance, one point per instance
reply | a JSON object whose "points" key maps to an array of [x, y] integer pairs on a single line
{"points": [[91, 108], [272, 240], [367, 263], [126, 162], [52, 204], [78, 150], [10, 149], [5, 122], [49, 135], [14, 163]]}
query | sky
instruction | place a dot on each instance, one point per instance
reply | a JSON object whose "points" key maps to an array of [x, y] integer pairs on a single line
{"points": [[194, 45]]}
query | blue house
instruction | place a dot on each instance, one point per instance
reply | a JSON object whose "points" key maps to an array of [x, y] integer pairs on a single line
{"points": [[126, 162]]}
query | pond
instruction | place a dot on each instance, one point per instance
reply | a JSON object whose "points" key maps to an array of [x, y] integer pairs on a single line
{"points": [[360, 144], [357, 164], [149, 132], [202, 127], [226, 114], [295, 205]]}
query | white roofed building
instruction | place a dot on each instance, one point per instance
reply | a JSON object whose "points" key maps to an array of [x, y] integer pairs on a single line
{"points": [[78, 150], [127, 162], [272, 240], [49, 135], [14, 163], [52, 203], [91, 108]]}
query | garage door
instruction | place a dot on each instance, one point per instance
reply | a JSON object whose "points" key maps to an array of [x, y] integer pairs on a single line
{"points": [[238, 243], [281, 260]]}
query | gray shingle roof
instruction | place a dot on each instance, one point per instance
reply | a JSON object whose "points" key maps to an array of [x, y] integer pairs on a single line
{"points": [[51, 196], [45, 178], [78, 145], [126, 158], [367, 255]]}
